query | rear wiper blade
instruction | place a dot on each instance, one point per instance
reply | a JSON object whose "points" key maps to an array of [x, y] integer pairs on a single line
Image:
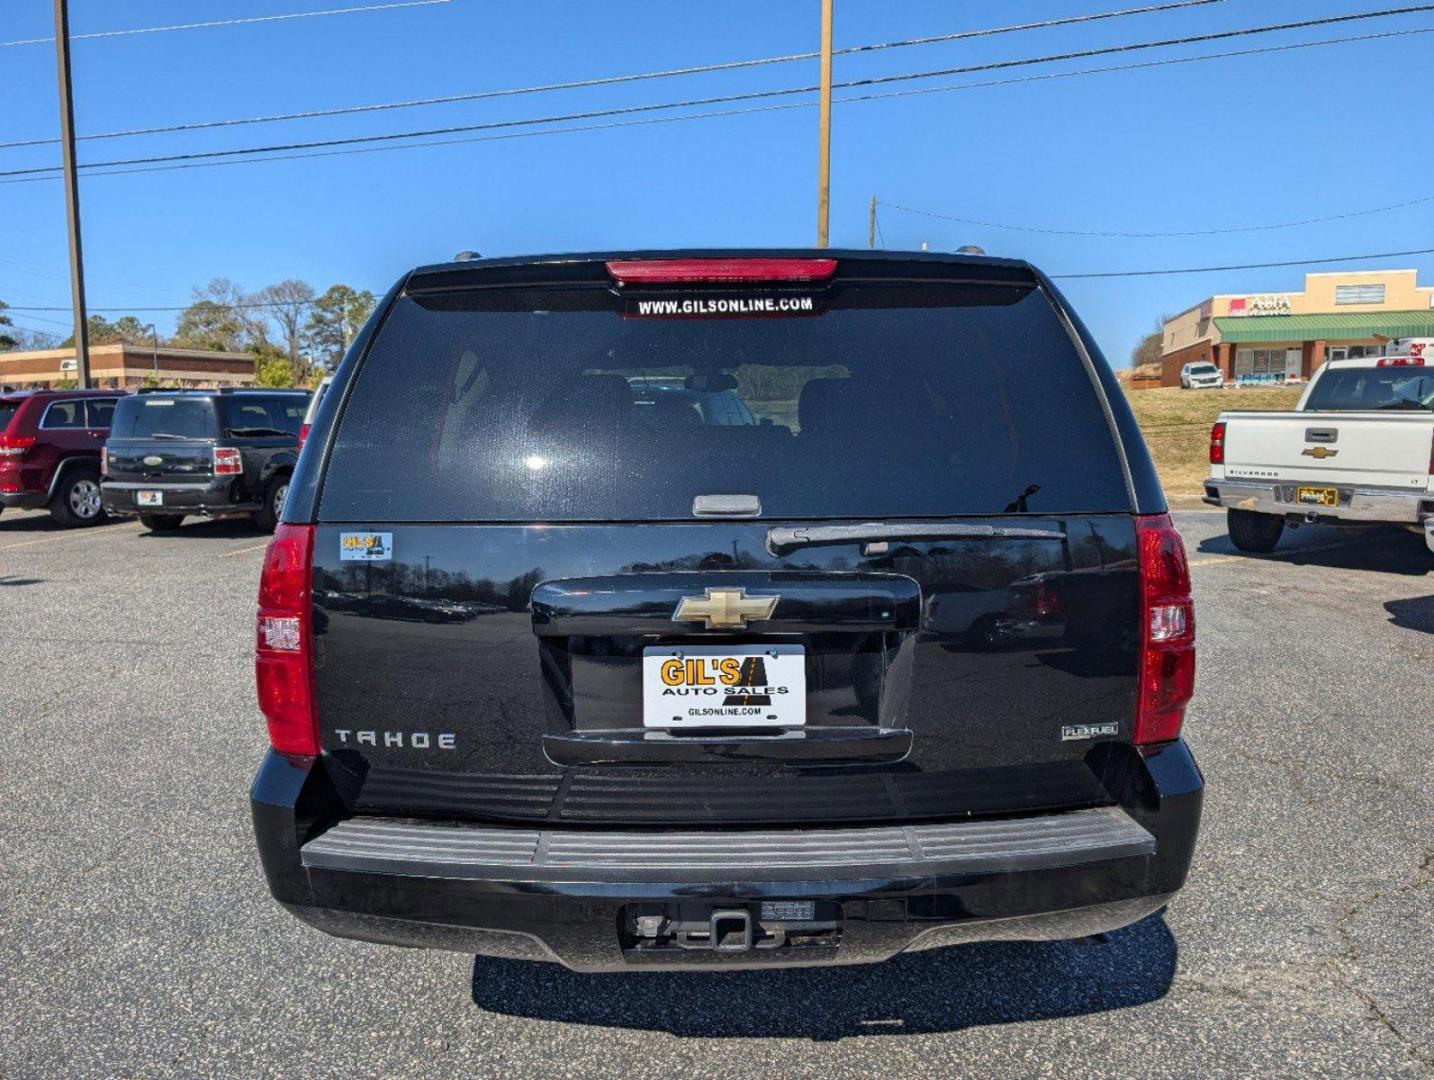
{"points": [[783, 538], [1402, 403], [168, 435], [254, 432]]}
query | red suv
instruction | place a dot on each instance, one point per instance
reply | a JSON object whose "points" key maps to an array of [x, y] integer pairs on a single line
{"points": [[50, 443]]}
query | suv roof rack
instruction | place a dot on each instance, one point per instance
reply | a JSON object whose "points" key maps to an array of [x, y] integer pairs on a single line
{"points": [[220, 390]]}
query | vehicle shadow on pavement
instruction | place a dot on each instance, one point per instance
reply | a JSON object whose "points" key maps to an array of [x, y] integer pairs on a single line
{"points": [[235, 528], [13, 523], [1415, 613], [1384, 549], [939, 990]]}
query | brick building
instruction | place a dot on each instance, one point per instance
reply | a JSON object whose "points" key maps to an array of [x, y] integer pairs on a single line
{"points": [[1337, 315], [127, 366]]}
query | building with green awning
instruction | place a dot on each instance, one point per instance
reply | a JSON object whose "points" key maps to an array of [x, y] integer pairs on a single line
{"points": [[1288, 335]]}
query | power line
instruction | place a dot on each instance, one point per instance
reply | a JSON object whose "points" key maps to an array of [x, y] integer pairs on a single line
{"points": [[1243, 266], [1151, 235], [227, 22], [751, 110], [1282, 264], [241, 305], [731, 98], [611, 80]]}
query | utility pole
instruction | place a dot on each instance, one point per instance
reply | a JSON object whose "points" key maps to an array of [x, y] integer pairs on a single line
{"points": [[871, 223], [824, 135], [72, 194]]}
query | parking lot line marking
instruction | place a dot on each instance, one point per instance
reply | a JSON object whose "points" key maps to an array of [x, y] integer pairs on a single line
{"points": [[245, 550], [67, 536]]}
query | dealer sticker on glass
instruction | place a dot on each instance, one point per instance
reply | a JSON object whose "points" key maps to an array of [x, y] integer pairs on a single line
{"points": [[365, 547], [690, 686]]}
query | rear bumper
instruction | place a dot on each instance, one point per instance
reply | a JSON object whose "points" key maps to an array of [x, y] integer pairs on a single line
{"points": [[1355, 503], [573, 895], [24, 500], [221, 496]]}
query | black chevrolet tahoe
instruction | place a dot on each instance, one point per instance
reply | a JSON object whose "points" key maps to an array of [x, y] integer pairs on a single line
{"points": [[653, 610], [176, 453]]}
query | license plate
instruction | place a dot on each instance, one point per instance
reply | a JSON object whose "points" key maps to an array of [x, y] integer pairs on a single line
{"points": [[1317, 496], [693, 686], [149, 498]]}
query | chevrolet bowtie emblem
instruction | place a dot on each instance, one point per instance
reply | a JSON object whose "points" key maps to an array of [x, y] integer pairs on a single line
{"points": [[725, 609], [1319, 453]]}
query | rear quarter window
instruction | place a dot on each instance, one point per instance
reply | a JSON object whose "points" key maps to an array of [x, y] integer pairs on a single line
{"points": [[893, 402], [64, 414]]}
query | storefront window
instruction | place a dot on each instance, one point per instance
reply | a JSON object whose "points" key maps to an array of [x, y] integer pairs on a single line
{"points": [[1282, 361]]}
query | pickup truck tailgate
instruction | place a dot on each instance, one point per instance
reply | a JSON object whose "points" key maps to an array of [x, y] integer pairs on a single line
{"points": [[1363, 449]]}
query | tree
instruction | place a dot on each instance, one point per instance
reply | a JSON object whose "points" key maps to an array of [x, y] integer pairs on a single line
{"points": [[126, 330], [206, 324], [7, 340], [222, 317], [334, 319], [1150, 347], [271, 366], [287, 303]]}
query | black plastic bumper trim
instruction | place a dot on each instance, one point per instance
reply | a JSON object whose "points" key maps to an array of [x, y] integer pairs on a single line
{"points": [[430, 850]]}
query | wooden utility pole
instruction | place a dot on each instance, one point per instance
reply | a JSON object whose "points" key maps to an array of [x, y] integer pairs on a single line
{"points": [[871, 223], [824, 135], [72, 195]]}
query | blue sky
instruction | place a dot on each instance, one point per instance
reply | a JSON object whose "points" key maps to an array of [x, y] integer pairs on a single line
{"points": [[1223, 143]]}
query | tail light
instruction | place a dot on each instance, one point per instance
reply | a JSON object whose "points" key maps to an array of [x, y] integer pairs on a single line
{"points": [[227, 461], [12, 448], [284, 652], [15, 445], [1217, 444], [1167, 660], [104, 460], [303, 435]]}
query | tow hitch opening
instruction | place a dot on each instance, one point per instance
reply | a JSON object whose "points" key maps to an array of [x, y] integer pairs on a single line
{"points": [[765, 927]]}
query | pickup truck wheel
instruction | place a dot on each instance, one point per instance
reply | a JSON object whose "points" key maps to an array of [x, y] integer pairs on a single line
{"points": [[275, 492], [77, 502], [1251, 531], [161, 522]]}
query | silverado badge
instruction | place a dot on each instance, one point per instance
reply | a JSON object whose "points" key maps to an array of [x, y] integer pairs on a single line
{"points": [[725, 609], [1319, 453]]}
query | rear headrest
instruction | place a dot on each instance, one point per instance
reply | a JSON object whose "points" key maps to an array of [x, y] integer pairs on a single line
{"points": [[592, 401], [819, 406], [671, 410]]}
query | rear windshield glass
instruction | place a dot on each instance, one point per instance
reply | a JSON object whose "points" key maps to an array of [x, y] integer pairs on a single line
{"points": [[893, 402], [8, 409], [1373, 388], [153, 416]]}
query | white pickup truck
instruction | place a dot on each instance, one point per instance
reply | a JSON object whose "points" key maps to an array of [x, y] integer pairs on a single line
{"points": [[1358, 449]]}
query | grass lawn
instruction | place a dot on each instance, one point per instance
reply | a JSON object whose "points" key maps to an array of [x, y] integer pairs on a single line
{"points": [[1177, 424]]}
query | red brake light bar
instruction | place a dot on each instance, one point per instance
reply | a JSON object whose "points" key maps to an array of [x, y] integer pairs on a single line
{"points": [[1400, 361], [695, 271]]}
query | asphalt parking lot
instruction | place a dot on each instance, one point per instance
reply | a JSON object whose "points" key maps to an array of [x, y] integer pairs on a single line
{"points": [[137, 937]]}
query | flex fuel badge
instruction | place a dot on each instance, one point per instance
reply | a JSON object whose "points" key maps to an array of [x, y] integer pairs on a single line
{"points": [[365, 547]]}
